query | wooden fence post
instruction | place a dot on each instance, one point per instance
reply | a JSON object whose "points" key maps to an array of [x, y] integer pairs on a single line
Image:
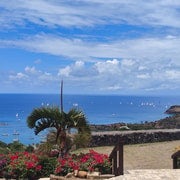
{"points": [[117, 160]]}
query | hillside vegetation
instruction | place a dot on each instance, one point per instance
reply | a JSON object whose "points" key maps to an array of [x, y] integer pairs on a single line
{"points": [[170, 122]]}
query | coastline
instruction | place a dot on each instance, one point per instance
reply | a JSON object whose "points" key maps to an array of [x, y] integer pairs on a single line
{"points": [[99, 109]]}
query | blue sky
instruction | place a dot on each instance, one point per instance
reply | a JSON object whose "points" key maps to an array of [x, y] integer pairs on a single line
{"points": [[129, 47]]}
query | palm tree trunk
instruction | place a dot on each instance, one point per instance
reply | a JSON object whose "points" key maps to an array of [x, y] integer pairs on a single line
{"points": [[62, 96], [62, 131], [63, 143]]}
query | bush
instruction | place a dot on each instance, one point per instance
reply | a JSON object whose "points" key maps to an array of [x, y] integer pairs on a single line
{"points": [[92, 161], [48, 165], [23, 165], [81, 140], [3, 164], [29, 148], [16, 147], [66, 165], [3, 144]]}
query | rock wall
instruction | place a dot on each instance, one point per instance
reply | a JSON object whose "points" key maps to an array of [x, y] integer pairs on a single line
{"points": [[133, 137]]}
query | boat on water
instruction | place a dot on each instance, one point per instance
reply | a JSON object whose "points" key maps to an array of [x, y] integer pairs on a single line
{"points": [[5, 134], [3, 124], [16, 133]]}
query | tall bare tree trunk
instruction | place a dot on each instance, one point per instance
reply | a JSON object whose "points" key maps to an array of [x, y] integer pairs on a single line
{"points": [[63, 131], [62, 96]]}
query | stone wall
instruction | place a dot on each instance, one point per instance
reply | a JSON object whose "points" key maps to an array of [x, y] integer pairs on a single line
{"points": [[133, 137]]}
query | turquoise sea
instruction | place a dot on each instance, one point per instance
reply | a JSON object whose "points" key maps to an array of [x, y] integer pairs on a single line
{"points": [[99, 109]]}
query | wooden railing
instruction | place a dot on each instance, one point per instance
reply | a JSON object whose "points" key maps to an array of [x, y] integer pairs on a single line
{"points": [[116, 157], [176, 160]]}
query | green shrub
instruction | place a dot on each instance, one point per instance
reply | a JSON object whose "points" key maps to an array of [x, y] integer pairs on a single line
{"points": [[48, 165], [29, 148], [16, 147], [3, 163], [23, 165], [81, 140]]}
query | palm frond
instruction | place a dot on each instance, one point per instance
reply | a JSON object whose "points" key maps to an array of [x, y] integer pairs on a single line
{"points": [[42, 118], [77, 119], [42, 125]]}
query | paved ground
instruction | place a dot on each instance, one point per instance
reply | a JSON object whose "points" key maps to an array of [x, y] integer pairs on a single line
{"points": [[150, 174], [153, 174]]}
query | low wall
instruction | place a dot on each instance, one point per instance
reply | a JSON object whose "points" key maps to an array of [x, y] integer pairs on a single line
{"points": [[133, 137]]}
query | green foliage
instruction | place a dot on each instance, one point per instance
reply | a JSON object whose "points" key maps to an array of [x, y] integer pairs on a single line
{"points": [[44, 148], [52, 117], [4, 148], [82, 140], [44, 117], [48, 165], [29, 148], [16, 147], [3, 163], [23, 165], [3, 144], [140, 126]]}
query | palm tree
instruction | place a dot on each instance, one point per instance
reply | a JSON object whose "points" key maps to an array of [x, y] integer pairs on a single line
{"points": [[54, 117], [51, 117]]}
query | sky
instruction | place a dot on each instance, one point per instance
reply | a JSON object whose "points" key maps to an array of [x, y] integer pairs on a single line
{"points": [[124, 47]]}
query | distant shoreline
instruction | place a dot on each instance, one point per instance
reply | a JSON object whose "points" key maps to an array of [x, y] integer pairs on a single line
{"points": [[170, 122]]}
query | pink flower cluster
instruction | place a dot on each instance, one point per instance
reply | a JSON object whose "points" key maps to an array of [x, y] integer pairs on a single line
{"points": [[66, 164], [23, 164], [88, 162]]}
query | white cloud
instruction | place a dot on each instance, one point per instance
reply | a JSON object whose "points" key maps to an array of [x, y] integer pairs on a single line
{"points": [[115, 75], [46, 77], [18, 76], [112, 88], [109, 66], [142, 68], [31, 70], [79, 64], [79, 12], [77, 70], [64, 71], [173, 75], [144, 60], [127, 62], [141, 63], [153, 49], [143, 76], [30, 76]]}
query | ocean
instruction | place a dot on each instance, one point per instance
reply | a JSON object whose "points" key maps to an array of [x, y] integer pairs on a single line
{"points": [[99, 109]]}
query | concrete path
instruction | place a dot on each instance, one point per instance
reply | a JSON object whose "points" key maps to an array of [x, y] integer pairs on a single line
{"points": [[150, 174]]}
